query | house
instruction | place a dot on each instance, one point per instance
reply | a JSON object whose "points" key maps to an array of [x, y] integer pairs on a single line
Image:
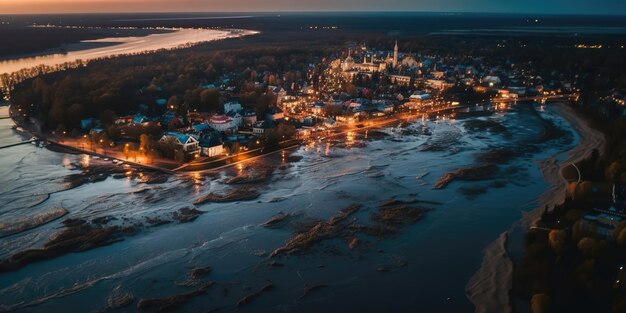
{"points": [[279, 92], [418, 100], [175, 122], [187, 142], [232, 106], [96, 131], [601, 222], [274, 114], [261, 127], [439, 84], [492, 80], [199, 128], [211, 144], [307, 121], [249, 117], [236, 117], [401, 80], [354, 104], [318, 108], [383, 106], [420, 97], [167, 117], [222, 123], [124, 120], [139, 119]]}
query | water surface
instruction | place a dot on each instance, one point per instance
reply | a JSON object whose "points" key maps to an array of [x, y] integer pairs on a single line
{"points": [[429, 262]]}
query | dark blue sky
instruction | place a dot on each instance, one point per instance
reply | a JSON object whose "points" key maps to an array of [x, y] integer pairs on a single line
{"points": [[612, 7]]}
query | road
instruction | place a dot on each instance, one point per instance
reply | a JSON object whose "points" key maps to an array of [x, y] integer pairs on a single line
{"points": [[166, 165]]}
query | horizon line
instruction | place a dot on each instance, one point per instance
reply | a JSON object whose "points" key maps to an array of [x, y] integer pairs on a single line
{"points": [[329, 11]]}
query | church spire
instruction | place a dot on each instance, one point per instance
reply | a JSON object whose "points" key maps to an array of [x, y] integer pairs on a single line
{"points": [[395, 55]]}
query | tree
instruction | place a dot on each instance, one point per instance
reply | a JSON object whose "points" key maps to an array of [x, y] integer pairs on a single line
{"points": [[557, 239], [179, 155], [351, 90], [57, 113], [108, 117], [286, 131], [75, 114], [145, 144], [587, 246], [209, 100], [540, 303], [173, 103], [621, 237]]}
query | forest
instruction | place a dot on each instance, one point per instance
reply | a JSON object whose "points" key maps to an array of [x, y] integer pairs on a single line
{"points": [[132, 84]]}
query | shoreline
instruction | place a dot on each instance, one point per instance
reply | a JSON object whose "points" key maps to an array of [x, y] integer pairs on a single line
{"points": [[22, 69], [489, 287], [111, 47]]}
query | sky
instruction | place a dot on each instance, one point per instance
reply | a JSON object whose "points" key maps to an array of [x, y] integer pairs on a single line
{"points": [[599, 7]]}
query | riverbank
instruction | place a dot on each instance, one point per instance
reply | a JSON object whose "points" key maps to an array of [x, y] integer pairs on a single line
{"points": [[489, 288], [174, 38], [17, 70]]}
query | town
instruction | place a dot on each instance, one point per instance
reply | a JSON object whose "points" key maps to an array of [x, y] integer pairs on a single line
{"points": [[350, 89]]}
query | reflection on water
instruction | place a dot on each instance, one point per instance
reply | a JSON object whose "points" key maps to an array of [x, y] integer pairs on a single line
{"points": [[125, 45], [426, 265]]}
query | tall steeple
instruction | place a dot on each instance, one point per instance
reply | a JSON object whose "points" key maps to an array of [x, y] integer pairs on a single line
{"points": [[395, 55]]}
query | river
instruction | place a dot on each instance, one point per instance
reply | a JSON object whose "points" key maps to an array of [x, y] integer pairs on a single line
{"points": [[426, 265], [108, 47]]}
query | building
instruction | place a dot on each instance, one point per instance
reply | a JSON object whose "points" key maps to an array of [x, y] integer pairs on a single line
{"points": [[236, 117], [383, 106], [187, 142], [232, 106], [249, 117], [402, 80], [439, 84], [601, 222], [139, 119], [274, 114], [261, 127], [420, 97], [124, 120], [370, 64], [395, 55], [211, 144], [222, 123], [199, 128]]}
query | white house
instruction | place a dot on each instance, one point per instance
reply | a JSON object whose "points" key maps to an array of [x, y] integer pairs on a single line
{"points": [[211, 145], [188, 142], [419, 96]]}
